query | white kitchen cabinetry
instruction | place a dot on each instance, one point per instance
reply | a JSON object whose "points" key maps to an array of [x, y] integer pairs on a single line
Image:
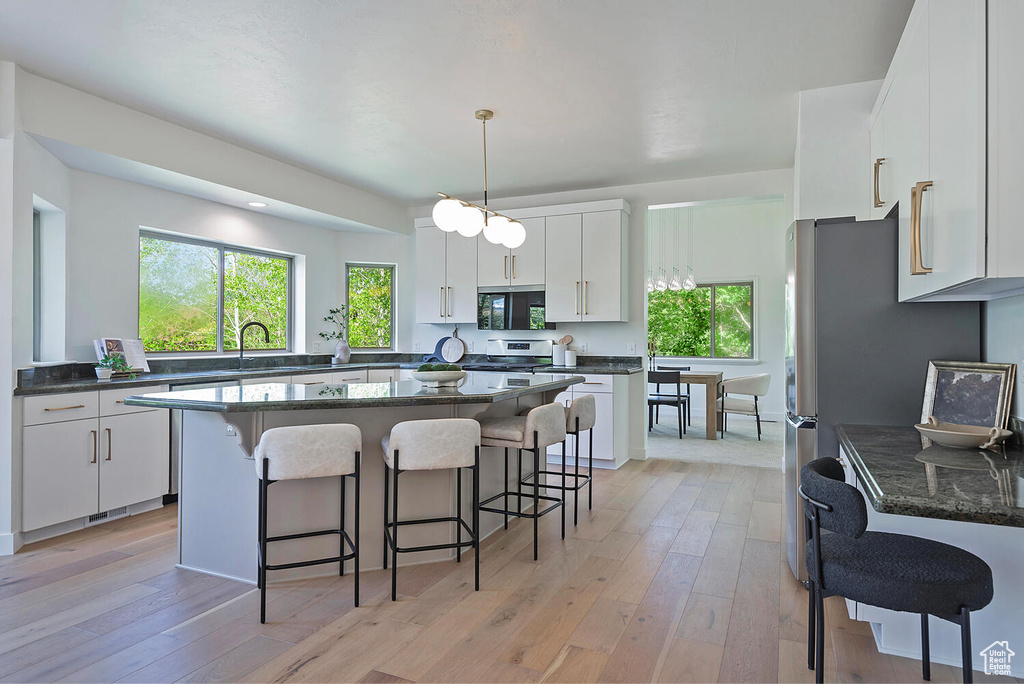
{"points": [[286, 379], [586, 267], [610, 431], [88, 452], [446, 277], [382, 375], [936, 124], [345, 377], [312, 379], [523, 266]]}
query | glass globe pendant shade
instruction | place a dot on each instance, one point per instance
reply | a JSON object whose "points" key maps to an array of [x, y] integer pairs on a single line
{"points": [[661, 284], [515, 235], [676, 281], [445, 214], [470, 222], [689, 284], [650, 282], [495, 229]]}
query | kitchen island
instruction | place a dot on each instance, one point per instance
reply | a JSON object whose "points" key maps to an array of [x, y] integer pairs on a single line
{"points": [[969, 498], [221, 426]]}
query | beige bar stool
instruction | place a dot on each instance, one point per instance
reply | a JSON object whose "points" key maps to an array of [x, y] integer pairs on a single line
{"points": [[580, 415], [536, 431], [440, 444], [301, 452]]}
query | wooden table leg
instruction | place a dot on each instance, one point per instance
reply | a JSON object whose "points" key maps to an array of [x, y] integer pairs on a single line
{"points": [[711, 409]]}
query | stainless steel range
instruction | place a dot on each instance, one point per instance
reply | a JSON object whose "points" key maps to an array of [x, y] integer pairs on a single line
{"points": [[515, 356]]}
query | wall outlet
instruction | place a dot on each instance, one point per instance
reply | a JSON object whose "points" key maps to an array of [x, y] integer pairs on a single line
{"points": [[583, 347], [316, 347], [415, 346], [231, 431], [631, 349], [469, 347]]}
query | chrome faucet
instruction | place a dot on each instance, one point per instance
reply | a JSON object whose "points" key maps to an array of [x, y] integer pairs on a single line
{"points": [[241, 341]]}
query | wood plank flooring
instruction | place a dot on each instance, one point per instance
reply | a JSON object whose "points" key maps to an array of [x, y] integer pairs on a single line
{"points": [[677, 575]]}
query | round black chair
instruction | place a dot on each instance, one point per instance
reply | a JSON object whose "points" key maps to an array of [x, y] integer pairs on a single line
{"points": [[891, 571]]}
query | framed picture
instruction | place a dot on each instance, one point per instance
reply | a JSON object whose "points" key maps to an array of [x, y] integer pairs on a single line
{"points": [[969, 393]]}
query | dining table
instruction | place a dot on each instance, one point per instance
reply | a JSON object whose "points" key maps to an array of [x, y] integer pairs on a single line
{"points": [[711, 380]]}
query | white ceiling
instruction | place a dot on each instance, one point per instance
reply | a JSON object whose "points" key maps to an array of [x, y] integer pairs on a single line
{"points": [[381, 93]]}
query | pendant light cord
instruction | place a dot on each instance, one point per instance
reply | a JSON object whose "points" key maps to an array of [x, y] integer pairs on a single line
{"points": [[485, 170]]}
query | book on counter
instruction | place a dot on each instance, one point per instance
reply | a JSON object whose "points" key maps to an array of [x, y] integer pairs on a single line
{"points": [[132, 351]]}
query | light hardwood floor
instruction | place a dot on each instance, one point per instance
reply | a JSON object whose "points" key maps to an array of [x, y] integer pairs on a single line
{"points": [[676, 575]]}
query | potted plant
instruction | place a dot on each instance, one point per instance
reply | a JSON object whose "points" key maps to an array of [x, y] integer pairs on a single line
{"points": [[111, 365], [339, 319]]}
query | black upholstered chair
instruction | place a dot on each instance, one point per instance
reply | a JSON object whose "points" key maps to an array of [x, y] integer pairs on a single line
{"points": [[679, 369], [658, 398], [892, 571]]}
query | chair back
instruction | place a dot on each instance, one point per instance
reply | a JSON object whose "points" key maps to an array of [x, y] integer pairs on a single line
{"points": [[677, 369], [548, 421], [660, 377], [840, 507], [434, 444], [299, 452], [754, 385], [583, 408]]}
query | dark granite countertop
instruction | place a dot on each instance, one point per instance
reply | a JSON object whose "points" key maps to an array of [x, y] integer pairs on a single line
{"points": [[599, 368], [478, 388], [905, 476]]}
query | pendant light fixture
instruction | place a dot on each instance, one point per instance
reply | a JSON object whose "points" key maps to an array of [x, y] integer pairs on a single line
{"points": [[468, 219], [689, 284], [661, 283], [675, 283]]}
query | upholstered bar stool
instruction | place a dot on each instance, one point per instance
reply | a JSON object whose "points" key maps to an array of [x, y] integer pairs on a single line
{"points": [[301, 452], [536, 431], [884, 569], [441, 444], [580, 415]]}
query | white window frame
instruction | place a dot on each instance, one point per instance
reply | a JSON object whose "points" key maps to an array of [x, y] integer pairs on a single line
{"points": [[394, 300]]}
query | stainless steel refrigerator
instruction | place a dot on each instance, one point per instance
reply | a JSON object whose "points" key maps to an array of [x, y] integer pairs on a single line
{"points": [[854, 354]]}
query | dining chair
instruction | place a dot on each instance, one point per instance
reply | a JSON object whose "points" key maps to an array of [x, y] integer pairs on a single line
{"points": [[678, 369], [752, 386], [657, 398]]}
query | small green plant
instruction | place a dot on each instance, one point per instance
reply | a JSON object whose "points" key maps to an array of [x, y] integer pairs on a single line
{"points": [[439, 367], [339, 319], [117, 364]]}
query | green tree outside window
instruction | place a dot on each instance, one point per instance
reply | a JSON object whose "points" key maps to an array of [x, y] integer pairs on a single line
{"points": [[712, 321], [371, 306]]}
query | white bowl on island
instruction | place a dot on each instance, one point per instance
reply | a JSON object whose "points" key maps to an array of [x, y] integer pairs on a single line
{"points": [[439, 378], [961, 436]]}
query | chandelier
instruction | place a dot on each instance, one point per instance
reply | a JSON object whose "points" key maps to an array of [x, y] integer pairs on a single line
{"points": [[468, 219]]}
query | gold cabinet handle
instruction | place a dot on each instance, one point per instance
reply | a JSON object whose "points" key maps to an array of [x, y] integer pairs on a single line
{"points": [[916, 195], [448, 300], [513, 267], [576, 297], [506, 267], [95, 444], [440, 302], [586, 300], [119, 401], [318, 382], [109, 444], [65, 408], [591, 383], [878, 164]]}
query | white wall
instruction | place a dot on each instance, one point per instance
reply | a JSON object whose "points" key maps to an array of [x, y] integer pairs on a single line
{"points": [[832, 167], [8, 128], [741, 239], [1004, 339]]}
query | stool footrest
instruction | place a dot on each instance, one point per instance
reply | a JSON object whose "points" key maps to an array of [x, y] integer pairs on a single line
{"points": [[303, 535], [319, 561], [581, 481], [429, 547], [555, 503]]}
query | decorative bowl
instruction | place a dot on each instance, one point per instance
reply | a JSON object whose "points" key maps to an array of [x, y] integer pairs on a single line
{"points": [[961, 436], [439, 378]]}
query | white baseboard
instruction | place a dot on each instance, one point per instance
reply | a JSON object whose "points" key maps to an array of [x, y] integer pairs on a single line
{"points": [[10, 543], [78, 524]]}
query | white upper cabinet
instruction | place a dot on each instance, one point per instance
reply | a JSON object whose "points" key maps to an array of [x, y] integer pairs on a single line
{"points": [[586, 267], [564, 270], [493, 271], [446, 277], [929, 126], [521, 267]]}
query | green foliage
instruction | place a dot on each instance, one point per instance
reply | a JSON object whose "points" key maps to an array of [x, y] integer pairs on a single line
{"points": [[427, 367], [679, 322], [178, 292], [370, 290], [339, 319], [117, 364]]}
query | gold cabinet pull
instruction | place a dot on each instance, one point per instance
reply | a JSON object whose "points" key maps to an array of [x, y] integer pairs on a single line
{"points": [[878, 164], [119, 401], [318, 382], [506, 267], [65, 408], [95, 444], [109, 444], [576, 297], [586, 300], [916, 195], [449, 302], [513, 267], [440, 302]]}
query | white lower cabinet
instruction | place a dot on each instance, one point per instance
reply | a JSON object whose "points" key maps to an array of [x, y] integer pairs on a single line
{"points": [[345, 377], [71, 469], [382, 375], [602, 388]]}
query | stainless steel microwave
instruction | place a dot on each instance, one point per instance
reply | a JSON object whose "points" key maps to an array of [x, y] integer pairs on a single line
{"points": [[518, 310]]}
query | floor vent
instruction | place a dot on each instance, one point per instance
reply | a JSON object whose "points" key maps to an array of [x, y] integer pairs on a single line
{"points": [[107, 516]]}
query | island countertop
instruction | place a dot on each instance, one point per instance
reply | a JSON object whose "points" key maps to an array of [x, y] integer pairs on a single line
{"points": [[903, 475], [478, 388]]}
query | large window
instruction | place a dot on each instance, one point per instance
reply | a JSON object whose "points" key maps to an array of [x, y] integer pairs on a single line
{"points": [[371, 306], [197, 296], [713, 321]]}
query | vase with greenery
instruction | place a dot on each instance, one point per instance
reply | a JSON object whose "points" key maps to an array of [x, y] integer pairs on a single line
{"points": [[113, 365], [338, 318]]}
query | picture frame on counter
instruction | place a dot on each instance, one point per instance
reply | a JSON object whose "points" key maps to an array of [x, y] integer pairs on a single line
{"points": [[969, 393]]}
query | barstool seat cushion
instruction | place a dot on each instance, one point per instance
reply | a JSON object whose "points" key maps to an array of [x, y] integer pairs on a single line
{"points": [[517, 432], [298, 452], [903, 573], [584, 408], [432, 444]]}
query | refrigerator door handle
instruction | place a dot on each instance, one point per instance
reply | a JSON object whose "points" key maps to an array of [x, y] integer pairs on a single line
{"points": [[801, 422]]}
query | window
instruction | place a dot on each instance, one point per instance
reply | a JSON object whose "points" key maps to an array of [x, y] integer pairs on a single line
{"points": [[371, 298], [197, 296], [713, 321]]}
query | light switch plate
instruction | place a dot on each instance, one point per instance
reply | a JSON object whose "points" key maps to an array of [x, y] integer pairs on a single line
{"points": [[415, 346], [583, 347], [469, 347], [316, 347], [631, 348]]}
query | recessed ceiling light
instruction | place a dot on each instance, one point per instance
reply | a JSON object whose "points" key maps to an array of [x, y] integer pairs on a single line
{"points": [[258, 205]]}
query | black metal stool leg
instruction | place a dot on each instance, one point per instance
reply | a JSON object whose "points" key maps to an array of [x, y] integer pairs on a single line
{"points": [[926, 658], [810, 625], [576, 478], [819, 646], [505, 487], [458, 514], [966, 653], [394, 535], [590, 469], [355, 561], [341, 537], [519, 479], [263, 542], [536, 493], [386, 513], [259, 539], [476, 519], [537, 477]]}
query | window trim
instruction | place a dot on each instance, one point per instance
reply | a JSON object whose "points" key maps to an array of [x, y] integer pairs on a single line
{"points": [[223, 247], [714, 283], [394, 300]]}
